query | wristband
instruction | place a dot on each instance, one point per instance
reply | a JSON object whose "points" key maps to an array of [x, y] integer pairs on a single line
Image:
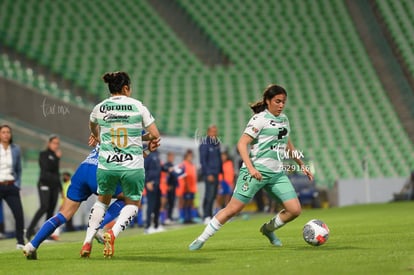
{"points": [[147, 152]]}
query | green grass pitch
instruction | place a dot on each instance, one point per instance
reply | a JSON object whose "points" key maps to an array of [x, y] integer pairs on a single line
{"points": [[364, 239]]}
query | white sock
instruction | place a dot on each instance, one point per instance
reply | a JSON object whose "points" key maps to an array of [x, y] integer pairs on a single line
{"points": [[95, 219], [274, 223], [211, 228], [29, 247], [127, 214]]}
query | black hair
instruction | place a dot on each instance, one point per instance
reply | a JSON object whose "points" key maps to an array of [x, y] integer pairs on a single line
{"points": [[52, 137], [116, 81], [226, 152], [66, 174], [11, 133], [187, 153], [270, 91]]}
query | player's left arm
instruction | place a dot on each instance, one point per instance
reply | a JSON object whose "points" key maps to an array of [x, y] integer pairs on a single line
{"points": [[152, 146], [305, 170]]}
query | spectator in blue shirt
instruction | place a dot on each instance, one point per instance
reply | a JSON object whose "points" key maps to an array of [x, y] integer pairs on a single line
{"points": [[211, 167], [152, 165], [173, 172]]}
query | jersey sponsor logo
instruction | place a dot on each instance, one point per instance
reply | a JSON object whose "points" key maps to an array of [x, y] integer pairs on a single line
{"points": [[117, 118], [119, 158], [282, 133], [106, 108], [254, 129], [277, 124]]}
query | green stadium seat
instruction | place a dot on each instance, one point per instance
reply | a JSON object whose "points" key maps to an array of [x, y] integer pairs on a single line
{"points": [[334, 97]]}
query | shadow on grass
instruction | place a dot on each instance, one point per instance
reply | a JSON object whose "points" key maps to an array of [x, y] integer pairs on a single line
{"points": [[326, 247], [269, 248], [185, 259]]}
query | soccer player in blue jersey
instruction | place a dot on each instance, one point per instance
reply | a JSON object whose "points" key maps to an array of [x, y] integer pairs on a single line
{"points": [[268, 137], [83, 185]]}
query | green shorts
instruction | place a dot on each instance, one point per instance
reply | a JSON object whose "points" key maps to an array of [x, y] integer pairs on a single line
{"points": [[132, 182], [277, 185]]}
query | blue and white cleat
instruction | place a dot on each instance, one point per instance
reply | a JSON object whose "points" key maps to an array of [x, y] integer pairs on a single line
{"points": [[196, 245], [271, 236]]}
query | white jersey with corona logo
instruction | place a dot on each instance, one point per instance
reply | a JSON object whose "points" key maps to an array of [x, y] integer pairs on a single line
{"points": [[270, 137], [121, 120]]}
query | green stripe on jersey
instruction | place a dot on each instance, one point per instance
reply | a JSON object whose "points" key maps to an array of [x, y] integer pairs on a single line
{"points": [[121, 121]]}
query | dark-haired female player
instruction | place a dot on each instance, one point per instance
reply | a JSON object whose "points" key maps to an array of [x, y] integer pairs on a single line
{"points": [[267, 135], [117, 123]]}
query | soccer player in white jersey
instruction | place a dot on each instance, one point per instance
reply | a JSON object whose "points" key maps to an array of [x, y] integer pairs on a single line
{"points": [[267, 135], [117, 123]]}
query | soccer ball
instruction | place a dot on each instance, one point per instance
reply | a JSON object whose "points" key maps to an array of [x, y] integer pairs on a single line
{"points": [[315, 232]]}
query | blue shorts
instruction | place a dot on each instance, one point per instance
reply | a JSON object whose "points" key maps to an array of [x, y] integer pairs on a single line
{"points": [[189, 196], [225, 188], [84, 184]]}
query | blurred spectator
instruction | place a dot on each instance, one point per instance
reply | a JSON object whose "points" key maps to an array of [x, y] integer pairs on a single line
{"points": [[187, 189], [66, 178], [306, 190], [152, 165], [172, 183], [259, 198], [407, 192], [49, 185], [164, 198], [68, 225], [2, 231], [226, 181], [10, 180], [211, 167]]}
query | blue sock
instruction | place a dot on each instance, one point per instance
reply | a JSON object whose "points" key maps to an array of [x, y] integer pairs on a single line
{"points": [[194, 213], [163, 216], [47, 229], [139, 219], [182, 214], [112, 212], [187, 214]]}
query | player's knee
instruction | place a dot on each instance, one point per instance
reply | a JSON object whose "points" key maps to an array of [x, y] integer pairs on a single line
{"points": [[294, 213]]}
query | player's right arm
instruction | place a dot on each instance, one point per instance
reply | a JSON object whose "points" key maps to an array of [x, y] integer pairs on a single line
{"points": [[153, 131], [244, 141], [251, 132], [149, 124]]}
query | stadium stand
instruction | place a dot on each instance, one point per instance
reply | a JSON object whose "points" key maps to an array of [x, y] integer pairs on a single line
{"points": [[398, 17], [339, 112]]}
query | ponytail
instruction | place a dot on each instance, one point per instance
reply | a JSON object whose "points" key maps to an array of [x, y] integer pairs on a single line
{"points": [[258, 106], [116, 81], [268, 94]]}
